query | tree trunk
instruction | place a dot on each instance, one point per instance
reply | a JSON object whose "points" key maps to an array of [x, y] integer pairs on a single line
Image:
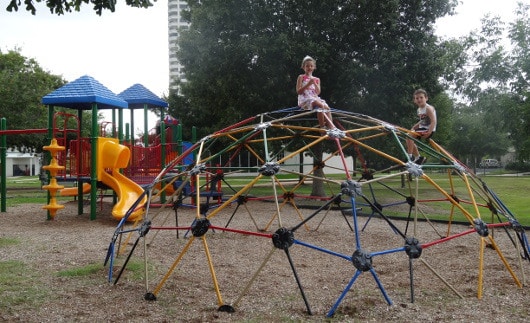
{"points": [[318, 184]]}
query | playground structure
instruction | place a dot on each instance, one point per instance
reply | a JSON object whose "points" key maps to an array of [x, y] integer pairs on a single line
{"points": [[116, 168], [276, 139], [3, 152], [111, 159], [99, 160], [53, 168]]}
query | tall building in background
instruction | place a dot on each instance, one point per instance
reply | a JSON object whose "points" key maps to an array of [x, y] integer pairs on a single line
{"points": [[175, 23]]}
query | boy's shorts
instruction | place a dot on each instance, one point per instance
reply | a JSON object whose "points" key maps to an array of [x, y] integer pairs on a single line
{"points": [[423, 130]]}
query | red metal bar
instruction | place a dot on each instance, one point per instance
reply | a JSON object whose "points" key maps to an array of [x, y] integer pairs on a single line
{"points": [[235, 125], [493, 225], [430, 244], [266, 235], [22, 131]]}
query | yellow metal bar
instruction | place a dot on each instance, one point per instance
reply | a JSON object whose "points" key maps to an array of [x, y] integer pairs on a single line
{"points": [[234, 197], [212, 271], [472, 197], [481, 268], [173, 266], [251, 281], [505, 262], [450, 198]]}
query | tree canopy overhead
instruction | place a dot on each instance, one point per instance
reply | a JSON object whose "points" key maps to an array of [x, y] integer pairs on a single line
{"points": [[242, 57], [60, 7], [24, 83], [488, 69]]}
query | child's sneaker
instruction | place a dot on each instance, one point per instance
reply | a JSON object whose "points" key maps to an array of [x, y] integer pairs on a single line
{"points": [[420, 160]]}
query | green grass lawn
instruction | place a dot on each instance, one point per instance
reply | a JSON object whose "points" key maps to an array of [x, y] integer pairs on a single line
{"points": [[27, 189], [511, 190]]}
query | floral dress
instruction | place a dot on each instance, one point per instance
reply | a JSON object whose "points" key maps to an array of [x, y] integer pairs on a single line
{"points": [[306, 99]]}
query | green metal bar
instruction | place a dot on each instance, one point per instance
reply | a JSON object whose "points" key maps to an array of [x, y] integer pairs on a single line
{"points": [[3, 153], [163, 152], [177, 137], [93, 162], [127, 135], [120, 125], [80, 166], [146, 137], [48, 154], [132, 136]]}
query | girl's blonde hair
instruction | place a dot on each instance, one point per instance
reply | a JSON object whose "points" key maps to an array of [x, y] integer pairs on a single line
{"points": [[421, 91], [306, 59]]}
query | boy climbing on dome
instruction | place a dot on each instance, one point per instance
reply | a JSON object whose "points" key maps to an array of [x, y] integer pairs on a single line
{"points": [[424, 128]]}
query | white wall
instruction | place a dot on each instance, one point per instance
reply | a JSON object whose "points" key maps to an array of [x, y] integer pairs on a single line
{"points": [[334, 164], [29, 162]]}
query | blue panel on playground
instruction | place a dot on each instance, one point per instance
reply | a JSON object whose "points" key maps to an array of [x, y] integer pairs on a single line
{"points": [[82, 93], [190, 158], [138, 97]]}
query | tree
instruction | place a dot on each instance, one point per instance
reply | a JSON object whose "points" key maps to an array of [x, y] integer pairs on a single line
{"points": [[476, 134], [492, 78], [59, 7], [243, 57], [24, 83], [519, 112]]}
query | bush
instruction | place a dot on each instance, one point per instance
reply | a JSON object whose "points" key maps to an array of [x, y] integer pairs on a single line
{"points": [[518, 166]]}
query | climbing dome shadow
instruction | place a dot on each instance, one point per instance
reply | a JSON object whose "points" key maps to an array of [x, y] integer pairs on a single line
{"points": [[362, 173]]}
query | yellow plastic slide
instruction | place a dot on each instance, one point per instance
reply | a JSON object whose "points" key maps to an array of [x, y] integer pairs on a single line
{"points": [[112, 156], [73, 191]]}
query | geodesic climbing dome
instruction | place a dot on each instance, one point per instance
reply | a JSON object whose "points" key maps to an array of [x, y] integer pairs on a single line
{"points": [[299, 174]]}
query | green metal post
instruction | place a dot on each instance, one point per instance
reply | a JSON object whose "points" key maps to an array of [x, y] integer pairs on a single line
{"points": [[146, 139], [178, 139], [132, 136], [127, 133], [3, 153], [114, 129], [93, 162], [120, 125], [163, 152], [80, 166], [48, 154]]}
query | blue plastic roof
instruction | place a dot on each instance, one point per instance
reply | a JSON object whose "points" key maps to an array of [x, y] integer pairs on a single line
{"points": [[82, 93], [138, 96]]}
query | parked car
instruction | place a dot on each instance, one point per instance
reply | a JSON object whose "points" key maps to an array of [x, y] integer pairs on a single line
{"points": [[489, 163]]}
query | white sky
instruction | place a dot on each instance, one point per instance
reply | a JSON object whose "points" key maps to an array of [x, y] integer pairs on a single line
{"points": [[118, 49], [130, 45], [470, 12]]}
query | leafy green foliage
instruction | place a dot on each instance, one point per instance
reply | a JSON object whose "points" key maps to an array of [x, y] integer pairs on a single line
{"points": [[492, 77], [242, 58], [24, 83], [475, 135], [518, 167], [60, 7]]}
